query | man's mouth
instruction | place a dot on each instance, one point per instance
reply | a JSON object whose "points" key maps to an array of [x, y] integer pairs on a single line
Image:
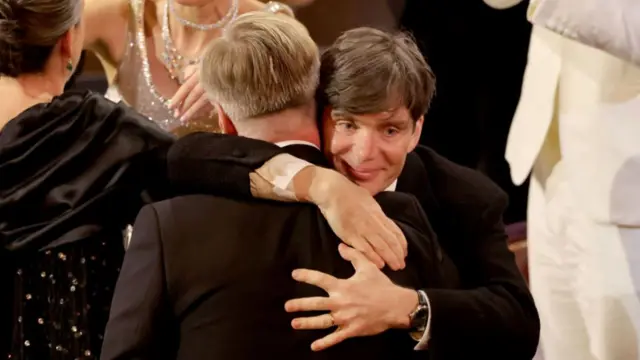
{"points": [[361, 174]]}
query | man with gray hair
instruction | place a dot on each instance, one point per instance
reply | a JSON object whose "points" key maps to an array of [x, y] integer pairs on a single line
{"points": [[182, 295], [262, 70]]}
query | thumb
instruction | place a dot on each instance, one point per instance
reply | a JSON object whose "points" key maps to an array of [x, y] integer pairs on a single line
{"points": [[357, 259]]}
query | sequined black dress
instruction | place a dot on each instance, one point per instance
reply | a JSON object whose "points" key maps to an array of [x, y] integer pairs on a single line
{"points": [[73, 173]]}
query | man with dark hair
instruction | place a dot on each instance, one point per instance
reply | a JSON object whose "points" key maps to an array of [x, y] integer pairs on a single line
{"points": [[374, 88]]}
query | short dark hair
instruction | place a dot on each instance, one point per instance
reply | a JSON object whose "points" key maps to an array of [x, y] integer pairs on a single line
{"points": [[30, 29], [368, 71]]}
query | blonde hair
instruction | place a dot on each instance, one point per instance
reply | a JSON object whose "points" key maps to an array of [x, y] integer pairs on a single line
{"points": [[262, 64]]}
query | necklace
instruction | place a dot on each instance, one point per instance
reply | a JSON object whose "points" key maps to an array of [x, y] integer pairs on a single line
{"points": [[140, 43], [228, 17], [173, 61]]}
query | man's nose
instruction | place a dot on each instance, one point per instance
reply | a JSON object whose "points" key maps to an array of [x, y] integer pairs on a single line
{"points": [[364, 146]]}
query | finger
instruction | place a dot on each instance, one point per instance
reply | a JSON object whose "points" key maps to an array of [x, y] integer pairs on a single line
{"points": [[382, 248], [182, 93], [316, 278], [200, 105], [308, 304], [398, 234], [357, 259], [189, 71], [391, 234], [336, 337], [196, 94], [368, 251], [323, 321], [396, 247]]}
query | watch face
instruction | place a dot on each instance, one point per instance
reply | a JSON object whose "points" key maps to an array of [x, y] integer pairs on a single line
{"points": [[419, 318]]}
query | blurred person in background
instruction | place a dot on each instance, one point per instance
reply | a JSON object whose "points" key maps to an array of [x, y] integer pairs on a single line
{"points": [[150, 50], [576, 130]]}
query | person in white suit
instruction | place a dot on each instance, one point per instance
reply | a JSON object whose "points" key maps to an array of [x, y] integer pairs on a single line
{"points": [[577, 132]]}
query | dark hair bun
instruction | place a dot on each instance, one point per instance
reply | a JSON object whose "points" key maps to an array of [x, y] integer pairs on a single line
{"points": [[10, 49]]}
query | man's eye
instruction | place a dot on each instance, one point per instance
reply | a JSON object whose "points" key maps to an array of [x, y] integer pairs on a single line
{"points": [[391, 131], [345, 125]]}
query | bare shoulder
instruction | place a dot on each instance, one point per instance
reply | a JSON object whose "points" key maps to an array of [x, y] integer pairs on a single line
{"points": [[106, 24]]}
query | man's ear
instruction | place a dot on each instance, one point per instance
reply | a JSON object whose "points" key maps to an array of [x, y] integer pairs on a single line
{"points": [[224, 121], [415, 137]]}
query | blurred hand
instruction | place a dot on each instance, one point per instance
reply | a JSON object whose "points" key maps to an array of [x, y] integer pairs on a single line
{"points": [[366, 304], [190, 99], [358, 220]]}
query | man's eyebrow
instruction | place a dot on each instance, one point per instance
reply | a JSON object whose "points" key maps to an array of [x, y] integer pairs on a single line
{"points": [[340, 114], [396, 121]]}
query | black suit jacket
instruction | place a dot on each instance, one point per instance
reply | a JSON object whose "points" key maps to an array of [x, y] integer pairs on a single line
{"points": [[492, 313], [207, 277]]}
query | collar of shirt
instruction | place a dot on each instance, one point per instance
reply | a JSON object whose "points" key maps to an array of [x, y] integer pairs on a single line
{"points": [[393, 185], [295, 142]]}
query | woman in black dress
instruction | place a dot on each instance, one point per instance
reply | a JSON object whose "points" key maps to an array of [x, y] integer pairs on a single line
{"points": [[74, 171]]}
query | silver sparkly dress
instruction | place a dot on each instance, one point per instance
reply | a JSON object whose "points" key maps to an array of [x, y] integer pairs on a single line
{"points": [[134, 80]]}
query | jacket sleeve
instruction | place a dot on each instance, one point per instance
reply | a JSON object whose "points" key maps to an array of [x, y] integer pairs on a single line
{"points": [[494, 313], [216, 164], [140, 322]]}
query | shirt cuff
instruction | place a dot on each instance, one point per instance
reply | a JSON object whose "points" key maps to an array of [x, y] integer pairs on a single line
{"points": [[423, 344], [279, 173]]}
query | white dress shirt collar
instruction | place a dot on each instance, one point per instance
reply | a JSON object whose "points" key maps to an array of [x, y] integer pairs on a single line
{"points": [[393, 185], [296, 142]]}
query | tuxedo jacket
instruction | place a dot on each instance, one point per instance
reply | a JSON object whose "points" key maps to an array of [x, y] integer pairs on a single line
{"points": [[492, 312], [207, 277]]}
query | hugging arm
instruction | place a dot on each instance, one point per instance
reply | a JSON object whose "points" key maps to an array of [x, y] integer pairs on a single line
{"points": [[241, 167]]}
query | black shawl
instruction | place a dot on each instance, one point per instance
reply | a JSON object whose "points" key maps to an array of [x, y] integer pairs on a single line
{"points": [[73, 167]]}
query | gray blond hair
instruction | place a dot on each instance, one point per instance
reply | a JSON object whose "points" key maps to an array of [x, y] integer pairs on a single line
{"points": [[262, 64]]}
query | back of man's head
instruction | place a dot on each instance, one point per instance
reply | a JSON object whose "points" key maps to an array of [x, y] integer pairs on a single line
{"points": [[262, 64]]}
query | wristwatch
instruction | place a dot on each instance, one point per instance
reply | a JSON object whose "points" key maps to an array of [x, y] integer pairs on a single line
{"points": [[420, 316]]}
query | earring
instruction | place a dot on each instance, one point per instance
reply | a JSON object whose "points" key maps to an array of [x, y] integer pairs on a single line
{"points": [[70, 65]]}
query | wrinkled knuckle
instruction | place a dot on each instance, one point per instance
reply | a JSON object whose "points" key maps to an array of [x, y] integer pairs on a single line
{"points": [[339, 318]]}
